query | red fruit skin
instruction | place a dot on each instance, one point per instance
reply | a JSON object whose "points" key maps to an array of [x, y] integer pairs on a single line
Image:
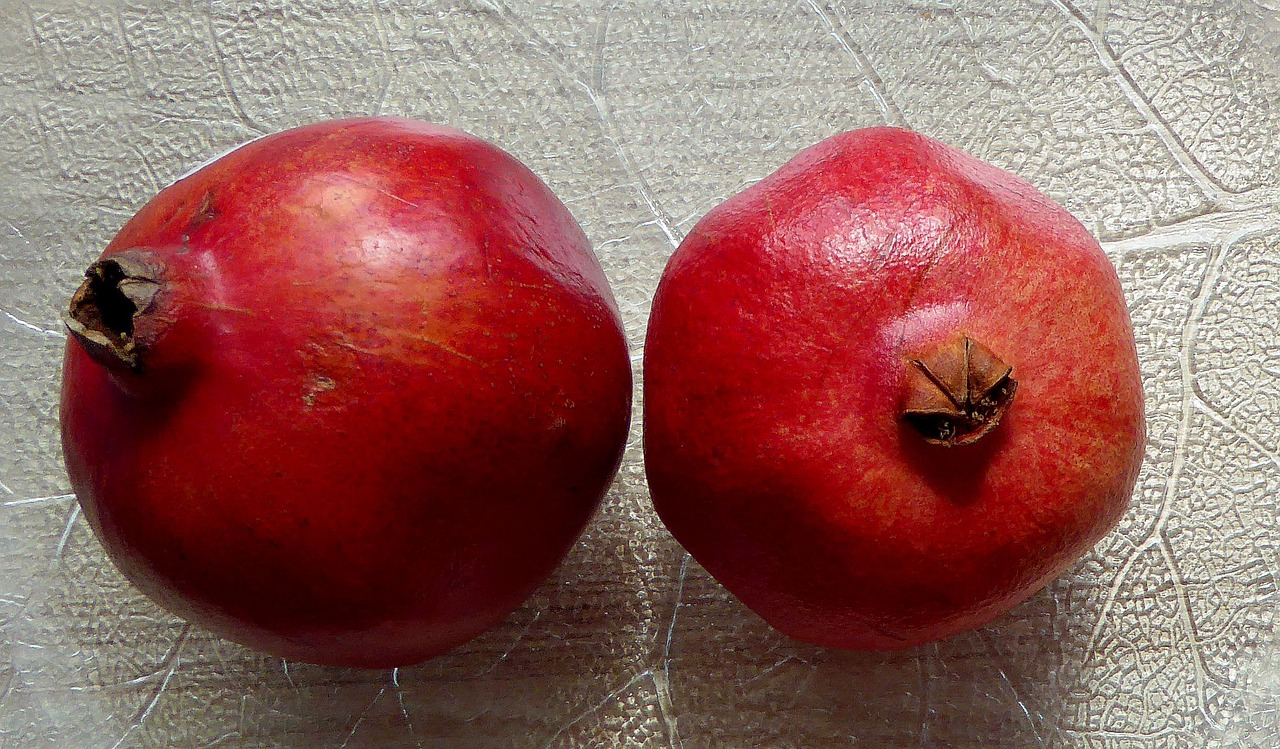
{"points": [[392, 390], [774, 374]]}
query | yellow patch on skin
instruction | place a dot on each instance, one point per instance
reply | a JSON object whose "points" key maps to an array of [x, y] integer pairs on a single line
{"points": [[319, 385], [335, 202]]}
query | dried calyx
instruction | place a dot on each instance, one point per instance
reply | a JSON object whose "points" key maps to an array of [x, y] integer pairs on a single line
{"points": [[104, 312], [957, 392]]}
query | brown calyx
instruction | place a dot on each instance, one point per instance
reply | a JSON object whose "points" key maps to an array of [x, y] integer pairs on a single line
{"points": [[108, 313], [957, 392]]}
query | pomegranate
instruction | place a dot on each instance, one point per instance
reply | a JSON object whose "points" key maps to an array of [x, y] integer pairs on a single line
{"points": [[347, 394], [889, 392]]}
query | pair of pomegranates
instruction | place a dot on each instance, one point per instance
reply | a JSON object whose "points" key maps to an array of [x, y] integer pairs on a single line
{"points": [[349, 393]]}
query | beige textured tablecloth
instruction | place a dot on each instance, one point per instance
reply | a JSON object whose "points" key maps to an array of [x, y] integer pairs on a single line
{"points": [[1157, 123]]}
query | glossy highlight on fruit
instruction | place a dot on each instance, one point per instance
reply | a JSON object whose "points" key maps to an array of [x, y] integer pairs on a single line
{"points": [[890, 391], [347, 394]]}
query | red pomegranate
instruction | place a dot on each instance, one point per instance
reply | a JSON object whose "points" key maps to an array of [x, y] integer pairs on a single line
{"points": [[347, 394], [890, 392]]}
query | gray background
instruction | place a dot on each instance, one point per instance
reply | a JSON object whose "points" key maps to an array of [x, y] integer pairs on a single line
{"points": [[1154, 122]]}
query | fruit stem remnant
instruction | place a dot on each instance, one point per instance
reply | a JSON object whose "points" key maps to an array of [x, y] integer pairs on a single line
{"points": [[957, 392], [106, 310]]}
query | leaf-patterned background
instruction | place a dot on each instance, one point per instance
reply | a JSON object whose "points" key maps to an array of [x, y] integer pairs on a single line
{"points": [[1157, 123]]}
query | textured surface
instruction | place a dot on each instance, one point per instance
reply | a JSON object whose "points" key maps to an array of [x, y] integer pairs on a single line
{"points": [[1154, 122]]}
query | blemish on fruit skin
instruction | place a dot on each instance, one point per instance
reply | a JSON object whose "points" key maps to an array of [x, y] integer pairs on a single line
{"points": [[203, 214], [319, 384]]}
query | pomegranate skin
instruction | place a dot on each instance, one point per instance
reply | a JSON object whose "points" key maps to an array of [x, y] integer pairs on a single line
{"points": [[381, 387], [786, 338]]}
